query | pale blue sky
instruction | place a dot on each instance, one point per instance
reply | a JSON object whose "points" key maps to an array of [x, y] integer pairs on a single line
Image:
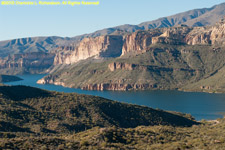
{"points": [[68, 21]]}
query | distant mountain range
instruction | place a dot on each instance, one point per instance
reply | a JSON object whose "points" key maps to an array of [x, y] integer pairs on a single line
{"points": [[196, 17], [193, 18]]}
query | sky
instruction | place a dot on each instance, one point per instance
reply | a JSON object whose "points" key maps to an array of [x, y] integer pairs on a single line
{"points": [[68, 21]]}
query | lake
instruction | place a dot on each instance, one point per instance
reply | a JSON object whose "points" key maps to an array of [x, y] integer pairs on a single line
{"points": [[200, 105]]}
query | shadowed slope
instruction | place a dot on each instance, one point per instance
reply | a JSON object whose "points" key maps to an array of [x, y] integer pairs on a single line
{"points": [[48, 112]]}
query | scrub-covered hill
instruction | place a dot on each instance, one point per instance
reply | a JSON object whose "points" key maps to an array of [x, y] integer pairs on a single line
{"points": [[32, 118], [32, 110]]}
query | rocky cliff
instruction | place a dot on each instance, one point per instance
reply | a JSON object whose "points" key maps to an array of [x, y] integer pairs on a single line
{"points": [[24, 62], [118, 87], [125, 66], [140, 41], [214, 35], [110, 44], [102, 46], [167, 58], [192, 18]]}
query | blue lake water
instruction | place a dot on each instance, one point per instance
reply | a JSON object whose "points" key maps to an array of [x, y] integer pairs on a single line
{"points": [[200, 105]]}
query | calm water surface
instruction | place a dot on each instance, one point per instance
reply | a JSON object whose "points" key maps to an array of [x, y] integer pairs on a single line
{"points": [[200, 105]]}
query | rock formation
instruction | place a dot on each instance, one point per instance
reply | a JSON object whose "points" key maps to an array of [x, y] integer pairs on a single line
{"points": [[126, 66], [140, 41], [207, 35], [117, 45], [118, 87], [102, 46], [28, 60], [162, 60]]}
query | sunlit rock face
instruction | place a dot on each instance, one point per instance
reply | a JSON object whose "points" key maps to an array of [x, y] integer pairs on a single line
{"points": [[102, 46]]}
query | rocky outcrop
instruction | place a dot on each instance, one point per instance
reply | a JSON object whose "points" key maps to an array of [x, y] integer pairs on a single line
{"points": [[118, 86], [207, 35], [50, 80], [102, 46], [169, 62], [100, 86], [28, 60], [140, 41], [205, 87], [172, 36], [41, 81], [46, 80], [193, 18], [125, 66]]}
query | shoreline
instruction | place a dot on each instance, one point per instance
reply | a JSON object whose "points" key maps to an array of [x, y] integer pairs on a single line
{"points": [[43, 82], [30, 80]]}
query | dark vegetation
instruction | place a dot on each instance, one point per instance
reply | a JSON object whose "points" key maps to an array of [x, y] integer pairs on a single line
{"points": [[8, 78], [39, 119], [208, 135], [51, 112], [32, 118]]}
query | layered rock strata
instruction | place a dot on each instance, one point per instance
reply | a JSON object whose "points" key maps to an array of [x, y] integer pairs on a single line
{"points": [[102, 46], [28, 60]]}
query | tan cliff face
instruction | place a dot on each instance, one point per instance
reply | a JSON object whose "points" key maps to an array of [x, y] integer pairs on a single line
{"points": [[29, 60], [207, 35], [183, 35], [116, 45], [162, 59], [118, 87], [172, 36], [139, 41], [102, 46], [125, 66]]}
